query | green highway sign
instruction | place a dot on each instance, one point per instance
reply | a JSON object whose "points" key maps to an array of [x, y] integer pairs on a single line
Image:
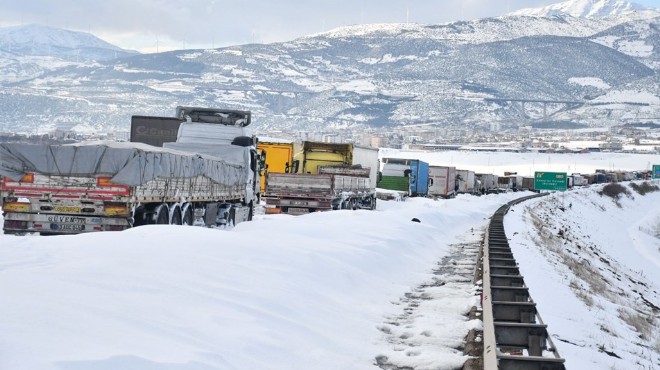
{"points": [[656, 171], [550, 181]]}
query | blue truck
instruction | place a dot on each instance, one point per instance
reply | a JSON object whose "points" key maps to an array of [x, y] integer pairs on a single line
{"points": [[410, 175]]}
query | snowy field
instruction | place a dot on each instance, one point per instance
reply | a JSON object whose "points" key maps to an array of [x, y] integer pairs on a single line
{"points": [[527, 163], [280, 292], [320, 291]]}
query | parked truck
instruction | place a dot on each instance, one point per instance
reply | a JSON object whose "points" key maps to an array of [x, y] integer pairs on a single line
{"points": [[277, 156], [465, 182], [209, 176], [409, 175], [488, 182], [579, 180], [527, 183], [442, 181], [324, 176]]}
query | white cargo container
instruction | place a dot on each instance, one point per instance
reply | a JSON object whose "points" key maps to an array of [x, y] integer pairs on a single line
{"points": [[465, 180], [367, 158], [488, 181], [442, 181]]}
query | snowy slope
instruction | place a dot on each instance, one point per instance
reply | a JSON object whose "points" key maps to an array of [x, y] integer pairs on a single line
{"points": [[602, 304]]}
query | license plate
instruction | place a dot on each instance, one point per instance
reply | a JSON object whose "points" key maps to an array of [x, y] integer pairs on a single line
{"points": [[67, 209], [67, 219], [298, 211], [67, 227]]}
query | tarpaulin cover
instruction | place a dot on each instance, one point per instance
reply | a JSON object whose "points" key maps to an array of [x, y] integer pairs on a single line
{"points": [[127, 163]]}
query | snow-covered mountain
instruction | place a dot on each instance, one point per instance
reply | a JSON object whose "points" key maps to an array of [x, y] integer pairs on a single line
{"points": [[33, 50], [586, 9], [41, 40], [602, 71]]}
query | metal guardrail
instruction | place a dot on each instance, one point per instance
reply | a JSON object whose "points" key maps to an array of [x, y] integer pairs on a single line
{"points": [[515, 337]]}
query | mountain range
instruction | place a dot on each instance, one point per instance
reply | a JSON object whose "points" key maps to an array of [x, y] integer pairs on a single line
{"points": [[593, 63]]}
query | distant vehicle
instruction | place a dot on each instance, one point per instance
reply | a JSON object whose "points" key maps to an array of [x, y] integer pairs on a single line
{"points": [[488, 181], [407, 175], [442, 182], [465, 182], [527, 183]]}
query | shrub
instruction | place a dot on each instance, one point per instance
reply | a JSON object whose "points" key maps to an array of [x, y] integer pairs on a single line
{"points": [[614, 191], [643, 324], [644, 188]]}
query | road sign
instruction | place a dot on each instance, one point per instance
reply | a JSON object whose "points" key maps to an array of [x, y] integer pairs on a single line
{"points": [[550, 181], [656, 171]]}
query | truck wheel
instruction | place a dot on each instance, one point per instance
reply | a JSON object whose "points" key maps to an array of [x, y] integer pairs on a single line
{"points": [[138, 216], [176, 216], [231, 217], [161, 215], [188, 218]]}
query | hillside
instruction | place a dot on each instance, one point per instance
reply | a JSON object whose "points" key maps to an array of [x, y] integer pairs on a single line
{"points": [[591, 259], [590, 71]]}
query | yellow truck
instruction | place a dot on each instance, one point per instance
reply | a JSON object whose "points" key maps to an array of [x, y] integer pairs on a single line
{"points": [[278, 156], [324, 176]]}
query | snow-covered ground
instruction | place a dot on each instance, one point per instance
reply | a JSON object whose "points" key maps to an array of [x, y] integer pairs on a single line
{"points": [[526, 164], [280, 292], [602, 302], [329, 290]]}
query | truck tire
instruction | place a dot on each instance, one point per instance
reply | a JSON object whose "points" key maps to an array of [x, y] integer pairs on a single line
{"points": [[138, 216], [188, 216], [251, 211], [159, 215], [177, 218], [244, 141]]}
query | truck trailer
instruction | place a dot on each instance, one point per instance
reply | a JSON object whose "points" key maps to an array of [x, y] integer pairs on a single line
{"points": [[209, 176], [405, 175], [465, 182], [442, 181], [488, 182]]}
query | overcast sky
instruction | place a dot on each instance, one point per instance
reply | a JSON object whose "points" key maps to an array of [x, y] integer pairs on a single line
{"points": [[145, 25]]}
